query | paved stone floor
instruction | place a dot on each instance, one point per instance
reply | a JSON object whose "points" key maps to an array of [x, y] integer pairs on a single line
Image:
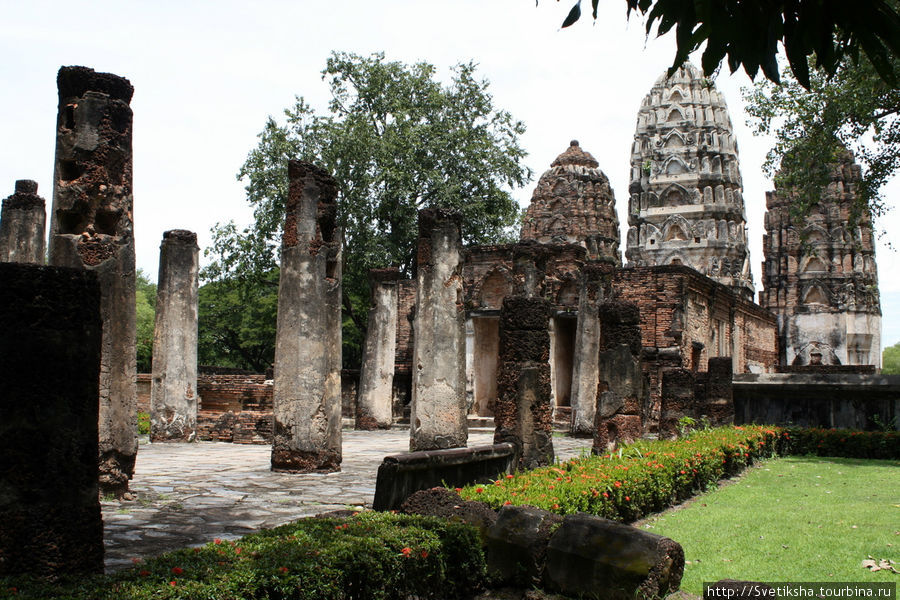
{"points": [[190, 494]]}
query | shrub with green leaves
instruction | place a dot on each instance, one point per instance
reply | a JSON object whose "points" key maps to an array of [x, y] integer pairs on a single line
{"points": [[841, 443], [645, 477], [372, 556]]}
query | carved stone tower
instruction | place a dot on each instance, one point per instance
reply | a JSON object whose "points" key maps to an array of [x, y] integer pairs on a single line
{"points": [[573, 203], [820, 278], [686, 205]]}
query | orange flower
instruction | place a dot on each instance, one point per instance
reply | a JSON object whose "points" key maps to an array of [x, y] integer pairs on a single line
{"points": [[618, 484], [424, 554], [406, 551], [217, 541], [173, 583], [479, 490]]}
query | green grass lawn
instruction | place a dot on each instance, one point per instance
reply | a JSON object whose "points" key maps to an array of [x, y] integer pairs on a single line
{"points": [[791, 519]]}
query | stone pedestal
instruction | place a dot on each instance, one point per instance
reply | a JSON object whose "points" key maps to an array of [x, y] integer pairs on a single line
{"points": [[91, 228], [438, 417], [523, 413], [307, 386], [373, 405], [50, 370], [22, 222], [173, 388]]}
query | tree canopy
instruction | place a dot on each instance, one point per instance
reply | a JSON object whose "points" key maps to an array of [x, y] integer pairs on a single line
{"points": [[890, 360], [852, 110], [145, 300], [746, 33], [396, 140]]}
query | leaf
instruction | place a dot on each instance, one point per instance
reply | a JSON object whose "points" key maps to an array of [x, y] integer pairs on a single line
{"points": [[573, 16]]}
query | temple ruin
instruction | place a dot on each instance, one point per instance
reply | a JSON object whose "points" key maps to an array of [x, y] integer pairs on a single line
{"points": [[376, 380], [820, 277], [22, 223], [91, 228], [686, 205], [173, 392], [307, 386]]}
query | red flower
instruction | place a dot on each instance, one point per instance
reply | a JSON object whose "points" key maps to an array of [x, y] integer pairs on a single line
{"points": [[144, 573], [177, 570], [406, 551], [479, 490], [424, 554], [627, 498], [618, 484], [509, 476], [173, 583], [506, 503], [458, 489], [217, 541], [283, 569], [237, 550]]}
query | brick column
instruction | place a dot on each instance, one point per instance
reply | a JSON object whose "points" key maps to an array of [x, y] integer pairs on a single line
{"points": [[22, 222], [173, 388], [376, 379], [50, 370], [523, 413], [91, 228], [438, 417], [587, 347], [307, 387]]}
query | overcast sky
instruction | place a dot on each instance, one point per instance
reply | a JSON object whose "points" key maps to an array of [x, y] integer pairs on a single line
{"points": [[208, 74]]}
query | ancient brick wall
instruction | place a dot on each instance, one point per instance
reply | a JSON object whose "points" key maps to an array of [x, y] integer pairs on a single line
{"points": [[234, 408]]}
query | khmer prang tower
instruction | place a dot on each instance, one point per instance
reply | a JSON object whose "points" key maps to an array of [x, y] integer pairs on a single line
{"points": [[820, 278], [686, 205], [574, 204]]}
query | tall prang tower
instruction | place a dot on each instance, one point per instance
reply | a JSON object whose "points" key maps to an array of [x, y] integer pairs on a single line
{"points": [[820, 277], [573, 203], [686, 205]]}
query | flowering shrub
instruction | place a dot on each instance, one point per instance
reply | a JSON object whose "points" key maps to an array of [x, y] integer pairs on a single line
{"points": [[645, 477], [372, 555], [839, 442]]}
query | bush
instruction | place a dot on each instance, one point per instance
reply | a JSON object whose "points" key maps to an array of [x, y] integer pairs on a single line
{"points": [[371, 556], [839, 443], [643, 478], [143, 421]]}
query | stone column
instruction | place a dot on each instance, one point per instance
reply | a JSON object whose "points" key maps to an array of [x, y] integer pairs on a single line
{"points": [[50, 370], [91, 228], [22, 222], [523, 413], [587, 347], [376, 379], [623, 391], [677, 401], [307, 386], [438, 418], [173, 387]]}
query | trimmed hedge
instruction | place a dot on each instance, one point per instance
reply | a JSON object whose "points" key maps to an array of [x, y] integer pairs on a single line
{"points": [[841, 443], [371, 555], [644, 477], [650, 476]]}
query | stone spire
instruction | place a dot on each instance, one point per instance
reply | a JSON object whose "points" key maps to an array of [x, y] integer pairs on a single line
{"points": [[573, 203], [820, 277], [686, 205]]}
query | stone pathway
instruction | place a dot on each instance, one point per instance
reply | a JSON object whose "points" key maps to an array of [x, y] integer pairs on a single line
{"points": [[190, 494]]}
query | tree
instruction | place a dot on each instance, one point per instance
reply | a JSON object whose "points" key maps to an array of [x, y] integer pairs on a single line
{"points": [[237, 323], [854, 109], [145, 295], [747, 33], [396, 140], [890, 360]]}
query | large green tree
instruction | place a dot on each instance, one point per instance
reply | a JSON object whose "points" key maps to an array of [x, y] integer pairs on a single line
{"points": [[396, 140], [853, 109], [145, 300], [748, 33], [890, 360]]}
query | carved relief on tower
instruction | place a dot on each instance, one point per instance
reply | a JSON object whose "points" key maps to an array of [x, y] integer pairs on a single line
{"points": [[573, 203], [684, 161]]}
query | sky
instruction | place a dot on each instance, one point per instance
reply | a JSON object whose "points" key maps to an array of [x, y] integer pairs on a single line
{"points": [[207, 75]]}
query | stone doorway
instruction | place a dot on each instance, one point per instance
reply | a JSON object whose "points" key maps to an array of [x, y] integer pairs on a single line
{"points": [[483, 349], [562, 358]]}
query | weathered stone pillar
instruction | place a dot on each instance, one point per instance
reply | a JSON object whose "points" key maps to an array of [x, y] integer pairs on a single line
{"points": [[438, 418], [22, 222], [376, 379], [623, 391], [50, 370], [523, 413], [717, 403], [91, 228], [677, 400], [173, 387], [587, 347], [307, 386]]}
